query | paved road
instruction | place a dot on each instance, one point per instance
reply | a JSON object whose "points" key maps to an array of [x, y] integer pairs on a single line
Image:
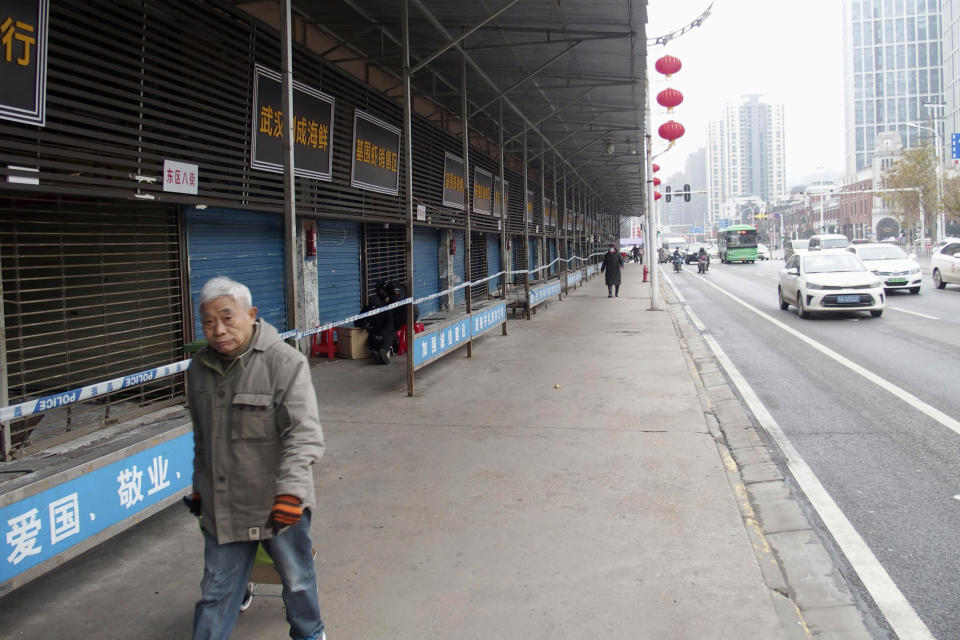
{"points": [[892, 469]]}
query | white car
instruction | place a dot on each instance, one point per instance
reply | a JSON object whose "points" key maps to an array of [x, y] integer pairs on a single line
{"points": [[946, 264], [763, 252], [818, 282], [891, 264]]}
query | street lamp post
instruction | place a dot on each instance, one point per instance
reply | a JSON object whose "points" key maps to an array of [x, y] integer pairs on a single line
{"points": [[939, 153]]}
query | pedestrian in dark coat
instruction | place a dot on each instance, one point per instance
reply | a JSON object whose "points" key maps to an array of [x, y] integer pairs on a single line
{"points": [[612, 263]]}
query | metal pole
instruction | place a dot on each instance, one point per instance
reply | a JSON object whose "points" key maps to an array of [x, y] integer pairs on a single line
{"points": [[466, 188], [526, 227], [653, 227], [6, 442], [503, 216], [289, 180], [562, 236], [408, 182], [544, 254]]}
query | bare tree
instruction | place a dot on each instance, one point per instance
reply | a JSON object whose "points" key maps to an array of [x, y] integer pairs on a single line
{"points": [[915, 168]]}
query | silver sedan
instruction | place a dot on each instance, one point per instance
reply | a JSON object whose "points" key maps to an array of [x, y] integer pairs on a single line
{"points": [[829, 282]]}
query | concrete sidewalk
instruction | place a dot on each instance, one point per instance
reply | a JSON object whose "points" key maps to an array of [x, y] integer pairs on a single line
{"points": [[562, 483]]}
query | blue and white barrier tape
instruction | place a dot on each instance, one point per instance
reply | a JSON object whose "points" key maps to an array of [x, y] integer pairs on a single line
{"points": [[46, 403]]}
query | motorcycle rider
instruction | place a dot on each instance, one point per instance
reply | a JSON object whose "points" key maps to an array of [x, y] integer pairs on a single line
{"points": [[677, 258], [703, 259]]}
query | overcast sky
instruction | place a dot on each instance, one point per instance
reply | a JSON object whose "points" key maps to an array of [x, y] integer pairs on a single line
{"points": [[789, 51]]}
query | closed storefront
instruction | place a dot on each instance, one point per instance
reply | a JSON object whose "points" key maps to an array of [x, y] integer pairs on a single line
{"points": [[91, 291], [552, 247], [243, 245], [426, 268], [478, 265], [338, 269], [459, 268], [493, 260]]}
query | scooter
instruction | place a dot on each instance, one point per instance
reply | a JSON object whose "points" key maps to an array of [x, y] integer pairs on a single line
{"points": [[677, 263], [703, 263]]}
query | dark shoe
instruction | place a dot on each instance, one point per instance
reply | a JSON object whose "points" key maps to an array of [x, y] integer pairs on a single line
{"points": [[609, 295], [247, 600], [384, 356]]}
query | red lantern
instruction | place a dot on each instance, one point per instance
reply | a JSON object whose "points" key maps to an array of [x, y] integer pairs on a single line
{"points": [[656, 167], [671, 130], [668, 65], [656, 195], [656, 181], [669, 98]]}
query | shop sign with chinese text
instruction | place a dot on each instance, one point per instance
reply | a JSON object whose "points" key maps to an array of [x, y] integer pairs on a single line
{"points": [[376, 154], [23, 60], [482, 191], [312, 127], [453, 187], [180, 177]]}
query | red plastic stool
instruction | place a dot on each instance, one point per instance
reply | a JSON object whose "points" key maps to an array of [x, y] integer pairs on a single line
{"points": [[323, 344], [402, 336]]}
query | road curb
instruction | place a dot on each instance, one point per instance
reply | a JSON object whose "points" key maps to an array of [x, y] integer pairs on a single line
{"points": [[809, 591]]}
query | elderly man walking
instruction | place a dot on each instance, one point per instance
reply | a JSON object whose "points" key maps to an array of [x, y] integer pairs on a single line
{"points": [[611, 266], [257, 436]]}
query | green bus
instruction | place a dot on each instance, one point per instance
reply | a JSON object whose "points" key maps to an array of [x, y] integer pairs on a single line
{"points": [[737, 243]]}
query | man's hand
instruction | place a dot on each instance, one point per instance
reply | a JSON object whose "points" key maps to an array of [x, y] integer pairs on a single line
{"points": [[286, 512], [193, 503]]}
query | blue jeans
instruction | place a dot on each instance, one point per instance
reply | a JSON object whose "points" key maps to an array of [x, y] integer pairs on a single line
{"points": [[226, 572]]}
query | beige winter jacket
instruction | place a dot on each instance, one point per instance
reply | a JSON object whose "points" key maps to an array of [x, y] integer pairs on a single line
{"points": [[256, 434]]}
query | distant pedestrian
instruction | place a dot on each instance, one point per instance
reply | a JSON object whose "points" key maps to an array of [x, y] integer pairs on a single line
{"points": [[257, 435], [612, 263], [636, 253]]}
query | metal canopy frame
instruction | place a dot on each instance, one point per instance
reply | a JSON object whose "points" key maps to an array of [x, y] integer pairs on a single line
{"points": [[556, 66]]}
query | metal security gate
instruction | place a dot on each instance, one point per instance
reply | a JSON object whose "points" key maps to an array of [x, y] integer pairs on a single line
{"points": [[460, 269], [426, 268], [533, 242], [478, 264], [383, 256], [519, 255], [242, 245], [552, 248], [493, 260], [338, 269], [91, 292]]}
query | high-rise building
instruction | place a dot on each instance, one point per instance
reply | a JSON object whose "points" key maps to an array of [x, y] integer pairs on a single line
{"points": [[951, 68], [892, 66], [746, 156]]}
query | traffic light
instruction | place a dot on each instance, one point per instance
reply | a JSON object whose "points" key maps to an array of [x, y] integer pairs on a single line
{"points": [[686, 193], [666, 195]]}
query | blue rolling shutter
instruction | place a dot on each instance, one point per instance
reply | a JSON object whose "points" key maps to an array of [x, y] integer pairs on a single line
{"points": [[242, 245], [552, 246], [460, 269], [493, 260], [338, 270], [426, 268]]}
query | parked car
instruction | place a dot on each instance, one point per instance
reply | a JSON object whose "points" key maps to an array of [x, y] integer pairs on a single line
{"points": [[946, 264], [891, 264], [793, 247], [828, 242], [819, 282], [763, 251]]}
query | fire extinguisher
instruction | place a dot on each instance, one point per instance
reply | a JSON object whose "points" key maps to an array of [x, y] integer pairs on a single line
{"points": [[453, 246], [311, 242]]}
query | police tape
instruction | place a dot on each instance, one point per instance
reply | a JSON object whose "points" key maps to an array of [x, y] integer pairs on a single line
{"points": [[64, 398], [46, 403]]}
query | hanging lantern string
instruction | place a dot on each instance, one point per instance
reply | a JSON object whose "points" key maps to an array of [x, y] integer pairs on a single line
{"points": [[664, 39]]}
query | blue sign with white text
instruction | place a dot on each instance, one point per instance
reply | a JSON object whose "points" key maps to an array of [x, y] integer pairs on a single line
{"points": [[432, 344], [488, 318], [48, 523], [955, 146], [540, 294]]}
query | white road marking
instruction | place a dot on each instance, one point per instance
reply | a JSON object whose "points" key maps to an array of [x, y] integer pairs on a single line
{"points": [[915, 313], [891, 601]]}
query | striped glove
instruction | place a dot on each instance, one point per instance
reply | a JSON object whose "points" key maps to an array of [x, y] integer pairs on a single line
{"points": [[286, 512]]}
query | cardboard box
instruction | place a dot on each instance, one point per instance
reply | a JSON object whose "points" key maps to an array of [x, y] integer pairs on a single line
{"points": [[352, 343]]}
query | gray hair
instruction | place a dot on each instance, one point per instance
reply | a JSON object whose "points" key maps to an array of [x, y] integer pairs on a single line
{"points": [[223, 286]]}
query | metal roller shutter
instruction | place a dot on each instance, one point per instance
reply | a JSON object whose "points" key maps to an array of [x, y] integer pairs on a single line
{"points": [[384, 255], [338, 269], [478, 264], [91, 292], [460, 269], [426, 268], [532, 243], [493, 260], [552, 247], [242, 245]]}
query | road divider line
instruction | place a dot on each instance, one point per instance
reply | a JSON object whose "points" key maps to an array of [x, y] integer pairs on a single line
{"points": [[913, 313], [883, 383], [884, 591]]}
